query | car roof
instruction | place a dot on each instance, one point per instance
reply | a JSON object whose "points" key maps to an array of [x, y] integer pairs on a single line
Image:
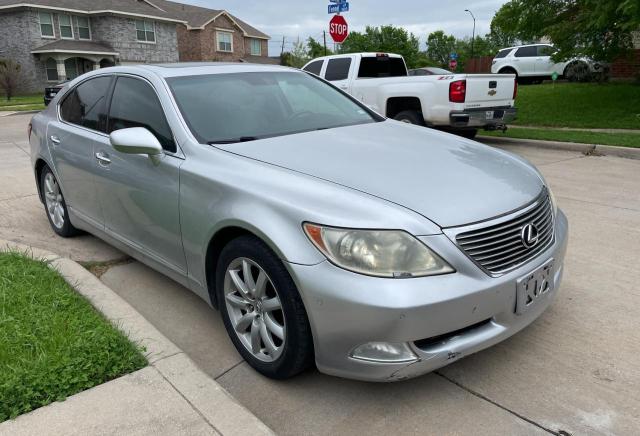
{"points": [[526, 45], [194, 68]]}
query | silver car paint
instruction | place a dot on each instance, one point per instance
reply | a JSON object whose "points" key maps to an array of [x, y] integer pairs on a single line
{"points": [[420, 180]]}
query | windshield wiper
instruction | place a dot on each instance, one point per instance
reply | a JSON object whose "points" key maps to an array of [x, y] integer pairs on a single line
{"points": [[234, 140]]}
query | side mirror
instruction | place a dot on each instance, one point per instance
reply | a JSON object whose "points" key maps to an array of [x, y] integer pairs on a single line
{"points": [[136, 140]]}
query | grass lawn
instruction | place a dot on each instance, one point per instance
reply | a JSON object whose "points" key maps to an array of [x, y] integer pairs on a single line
{"points": [[586, 105], [620, 139], [53, 343], [22, 102]]}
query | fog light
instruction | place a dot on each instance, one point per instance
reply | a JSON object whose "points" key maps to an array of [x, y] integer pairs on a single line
{"points": [[384, 352]]}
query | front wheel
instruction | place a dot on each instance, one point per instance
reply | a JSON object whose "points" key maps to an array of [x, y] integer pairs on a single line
{"points": [[411, 117], [55, 205], [262, 309]]}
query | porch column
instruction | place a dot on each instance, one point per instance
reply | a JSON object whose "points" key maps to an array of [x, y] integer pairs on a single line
{"points": [[96, 65], [62, 71]]}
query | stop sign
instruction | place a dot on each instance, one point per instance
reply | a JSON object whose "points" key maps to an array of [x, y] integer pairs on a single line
{"points": [[338, 29], [453, 64]]}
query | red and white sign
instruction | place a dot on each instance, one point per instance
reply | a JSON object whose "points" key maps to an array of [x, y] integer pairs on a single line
{"points": [[338, 29], [453, 64]]}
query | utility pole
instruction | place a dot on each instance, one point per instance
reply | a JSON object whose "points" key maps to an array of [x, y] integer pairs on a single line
{"points": [[473, 37], [282, 51], [324, 37]]}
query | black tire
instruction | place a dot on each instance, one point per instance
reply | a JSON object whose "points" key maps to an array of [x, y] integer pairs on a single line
{"points": [[577, 71], [297, 354], [469, 134], [66, 229], [411, 117]]}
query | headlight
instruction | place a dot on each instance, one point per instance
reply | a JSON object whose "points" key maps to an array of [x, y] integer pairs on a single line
{"points": [[381, 253]]}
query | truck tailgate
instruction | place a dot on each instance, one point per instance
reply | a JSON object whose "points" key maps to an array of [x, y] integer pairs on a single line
{"points": [[489, 90]]}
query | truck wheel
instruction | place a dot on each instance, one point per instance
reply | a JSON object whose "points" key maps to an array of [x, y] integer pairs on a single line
{"points": [[411, 117]]}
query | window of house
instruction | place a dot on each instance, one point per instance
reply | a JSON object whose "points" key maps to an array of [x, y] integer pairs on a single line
{"points": [[338, 69], [145, 31], [135, 104], [52, 70], [225, 41], [86, 104], [84, 31], [46, 24], [66, 29], [256, 47], [71, 68]]}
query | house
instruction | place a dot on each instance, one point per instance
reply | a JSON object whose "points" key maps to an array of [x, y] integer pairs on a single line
{"points": [[56, 40]]}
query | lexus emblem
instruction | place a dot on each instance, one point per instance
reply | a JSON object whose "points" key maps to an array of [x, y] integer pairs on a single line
{"points": [[492, 92], [529, 235]]}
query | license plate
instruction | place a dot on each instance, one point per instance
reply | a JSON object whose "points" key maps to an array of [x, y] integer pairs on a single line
{"points": [[489, 115], [534, 287]]}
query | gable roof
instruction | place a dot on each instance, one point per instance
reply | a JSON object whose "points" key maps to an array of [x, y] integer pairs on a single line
{"points": [[194, 17]]}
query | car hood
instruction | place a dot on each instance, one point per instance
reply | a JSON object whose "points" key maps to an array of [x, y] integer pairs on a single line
{"points": [[447, 179]]}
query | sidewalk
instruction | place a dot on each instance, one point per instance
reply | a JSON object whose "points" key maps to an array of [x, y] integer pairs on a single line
{"points": [[576, 129], [170, 396]]}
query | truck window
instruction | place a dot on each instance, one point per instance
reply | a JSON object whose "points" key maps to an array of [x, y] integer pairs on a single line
{"points": [[381, 66], [314, 67], [338, 69]]}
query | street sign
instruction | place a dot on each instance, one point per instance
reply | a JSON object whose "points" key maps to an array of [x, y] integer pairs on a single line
{"points": [[453, 56], [453, 64], [338, 1], [554, 76], [338, 29], [338, 7]]}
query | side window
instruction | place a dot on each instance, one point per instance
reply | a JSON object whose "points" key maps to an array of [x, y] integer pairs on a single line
{"points": [[545, 50], [503, 53], [314, 67], [527, 52], [86, 104], [135, 104], [338, 69]]}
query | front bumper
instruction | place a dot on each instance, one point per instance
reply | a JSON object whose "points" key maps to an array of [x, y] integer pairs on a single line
{"points": [[485, 117], [469, 308]]}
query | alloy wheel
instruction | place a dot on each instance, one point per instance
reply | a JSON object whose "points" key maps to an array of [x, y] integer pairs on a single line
{"points": [[53, 200], [255, 310]]}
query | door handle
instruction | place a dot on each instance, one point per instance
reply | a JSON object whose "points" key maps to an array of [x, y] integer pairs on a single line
{"points": [[103, 158], [55, 139]]}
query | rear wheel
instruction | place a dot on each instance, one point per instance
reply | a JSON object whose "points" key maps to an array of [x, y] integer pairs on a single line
{"points": [[411, 117], [55, 205], [262, 309]]}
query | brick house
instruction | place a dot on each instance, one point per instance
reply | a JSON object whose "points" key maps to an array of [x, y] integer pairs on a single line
{"points": [[56, 40]]}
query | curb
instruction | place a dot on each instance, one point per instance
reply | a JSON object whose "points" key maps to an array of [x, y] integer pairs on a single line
{"points": [[12, 113], [587, 149], [202, 392]]}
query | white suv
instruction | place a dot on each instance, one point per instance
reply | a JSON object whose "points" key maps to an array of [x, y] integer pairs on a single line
{"points": [[532, 64]]}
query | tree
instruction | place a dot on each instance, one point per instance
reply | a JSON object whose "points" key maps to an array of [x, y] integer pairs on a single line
{"points": [[316, 49], [439, 47], [297, 57], [10, 77], [600, 29], [389, 39]]}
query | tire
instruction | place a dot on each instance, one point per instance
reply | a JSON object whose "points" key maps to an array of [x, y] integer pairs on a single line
{"points": [[273, 357], [469, 134], [54, 205], [411, 117], [577, 71]]}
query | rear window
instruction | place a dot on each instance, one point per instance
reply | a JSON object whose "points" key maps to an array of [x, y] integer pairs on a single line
{"points": [[314, 67], [381, 66], [338, 69], [527, 52], [503, 53]]}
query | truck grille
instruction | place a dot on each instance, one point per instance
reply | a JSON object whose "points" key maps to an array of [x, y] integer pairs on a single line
{"points": [[500, 247]]}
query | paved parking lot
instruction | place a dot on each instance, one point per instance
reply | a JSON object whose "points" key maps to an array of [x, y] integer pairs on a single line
{"points": [[575, 370]]}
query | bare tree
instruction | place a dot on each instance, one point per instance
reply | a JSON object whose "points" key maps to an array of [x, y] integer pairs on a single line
{"points": [[10, 77]]}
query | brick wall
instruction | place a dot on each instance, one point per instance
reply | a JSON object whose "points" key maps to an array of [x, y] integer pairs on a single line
{"points": [[626, 66]]}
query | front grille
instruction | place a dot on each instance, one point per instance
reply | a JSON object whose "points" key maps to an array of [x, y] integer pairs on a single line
{"points": [[500, 247]]}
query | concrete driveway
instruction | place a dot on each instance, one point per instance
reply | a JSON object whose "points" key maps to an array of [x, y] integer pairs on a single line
{"points": [[575, 370]]}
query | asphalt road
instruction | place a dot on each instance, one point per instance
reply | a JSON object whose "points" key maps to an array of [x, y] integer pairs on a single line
{"points": [[575, 370]]}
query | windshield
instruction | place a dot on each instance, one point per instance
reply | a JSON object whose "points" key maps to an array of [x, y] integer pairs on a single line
{"points": [[237, 107]]}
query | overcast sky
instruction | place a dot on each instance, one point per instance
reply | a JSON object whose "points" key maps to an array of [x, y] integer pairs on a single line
{"points": [[304, 18]]}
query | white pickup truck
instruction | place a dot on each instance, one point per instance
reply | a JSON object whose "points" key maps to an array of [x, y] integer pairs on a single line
{"points": [[461, 103]]}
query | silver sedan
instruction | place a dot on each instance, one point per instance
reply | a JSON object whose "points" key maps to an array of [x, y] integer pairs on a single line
{"points": [[323, 232]]}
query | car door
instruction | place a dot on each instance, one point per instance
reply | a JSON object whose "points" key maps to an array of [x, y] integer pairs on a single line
{"points": [[525, 60], [337, 72], [544, 64], [140, 196], [72, 140]]}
